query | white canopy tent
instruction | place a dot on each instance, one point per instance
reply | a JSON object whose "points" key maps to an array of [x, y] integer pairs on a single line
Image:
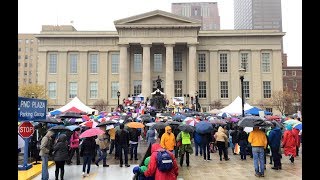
{"points": [[236, 107], [76, 105]]}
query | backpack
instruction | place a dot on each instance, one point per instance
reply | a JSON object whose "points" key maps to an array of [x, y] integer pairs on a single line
{"points": [[164, 160]]}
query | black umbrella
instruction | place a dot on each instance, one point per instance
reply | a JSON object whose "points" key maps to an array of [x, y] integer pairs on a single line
{"points": [[186, 128], [159, 125], [173, 122], [70, 115], [59, 128], [106, 123], [252, 121], [51, 120]]}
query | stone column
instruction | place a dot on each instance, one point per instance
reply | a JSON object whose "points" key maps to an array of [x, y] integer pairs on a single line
{"points": [[146, 77], [169, 82], [193, 70], [123, 71], [83, 76]]}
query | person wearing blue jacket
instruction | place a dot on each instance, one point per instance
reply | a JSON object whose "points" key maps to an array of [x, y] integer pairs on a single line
{"points": [[275, 143], [197, 142]]}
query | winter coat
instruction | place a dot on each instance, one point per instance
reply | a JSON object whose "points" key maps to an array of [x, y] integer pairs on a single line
{"points": [[221, 135], [258, 138], [186, 143], [74, 140], [289, 143], [150, 136], [122, 137], [296, 134], [60, 149], [102, 141], [197, 138], [46, 142], [134, 135], [235, 136], [88, 147], [168, 141], [275, 137], [243, 138], [154, 171]]}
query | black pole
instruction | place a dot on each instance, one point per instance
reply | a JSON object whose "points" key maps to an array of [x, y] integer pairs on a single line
{"points": [[118, 101], [242, 95]]}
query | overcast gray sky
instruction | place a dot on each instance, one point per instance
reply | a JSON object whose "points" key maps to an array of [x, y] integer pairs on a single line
{"points": [[98, 15]]}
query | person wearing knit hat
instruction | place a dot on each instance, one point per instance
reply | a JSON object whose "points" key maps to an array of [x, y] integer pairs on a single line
{"points": [[289, 143]]}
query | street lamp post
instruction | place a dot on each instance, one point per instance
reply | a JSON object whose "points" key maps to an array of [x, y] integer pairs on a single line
{"points": [[241, 73], [118, 94]]}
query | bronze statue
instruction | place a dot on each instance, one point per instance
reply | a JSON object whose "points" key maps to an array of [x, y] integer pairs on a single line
{"points": [[158, 81]]}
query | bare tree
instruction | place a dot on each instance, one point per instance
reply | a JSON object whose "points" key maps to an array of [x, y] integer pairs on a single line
{"points": [[282, 100], [100, 105], [216, 104]]}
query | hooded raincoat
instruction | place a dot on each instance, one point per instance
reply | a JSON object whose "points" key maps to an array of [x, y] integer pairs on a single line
{"points": [[168, 140]]}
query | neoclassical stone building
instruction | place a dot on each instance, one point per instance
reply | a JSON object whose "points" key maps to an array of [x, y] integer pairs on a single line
{"points": [[94, 65]]}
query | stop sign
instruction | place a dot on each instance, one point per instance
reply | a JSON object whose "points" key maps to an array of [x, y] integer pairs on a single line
{"points": [[25, 129]]}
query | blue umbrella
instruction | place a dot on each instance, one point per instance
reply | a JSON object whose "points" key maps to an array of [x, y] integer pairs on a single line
{"points": [[178, 117], [204, 127], [72, 127], [298, 126]]}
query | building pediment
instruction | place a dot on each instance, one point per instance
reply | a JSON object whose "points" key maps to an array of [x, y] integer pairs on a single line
{"points": [[157, 19]]}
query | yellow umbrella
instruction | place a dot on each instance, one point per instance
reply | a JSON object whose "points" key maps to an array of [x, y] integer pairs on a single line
{"points": [[135, 125]]}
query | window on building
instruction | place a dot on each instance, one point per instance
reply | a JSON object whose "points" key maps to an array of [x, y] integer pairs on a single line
{"points": [[224, 89], [137, 84], [115, 63], [284, 73], [294, 73], [25, 64], [157, 67], [177, 61], [73, 63], [202, 89], [52, 63], [19, 49], [27, 41], [269, 109], [267, 89], [30, 73], [223, 62], [265, 62], [31, 41], [52, 86], [244, 61], [93, 63], [202, 63], [19, 57], [137, 63], [178, 88], [30, 81], [246, 89], [26, 57], [26, 49], [73, 89], [93, 90], [24, 80], [114, 89], [25, 73], [19, 41], [31, 49], [295, 84]]}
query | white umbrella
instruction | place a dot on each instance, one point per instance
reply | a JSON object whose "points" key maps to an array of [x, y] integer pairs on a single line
{"points": [[248, 129]]}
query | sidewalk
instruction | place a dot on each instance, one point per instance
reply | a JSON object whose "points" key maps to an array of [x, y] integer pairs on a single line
{"points": [[33, 171]]}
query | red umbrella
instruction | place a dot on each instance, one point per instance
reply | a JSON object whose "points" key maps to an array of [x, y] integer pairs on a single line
{"points": [[91, 132]]}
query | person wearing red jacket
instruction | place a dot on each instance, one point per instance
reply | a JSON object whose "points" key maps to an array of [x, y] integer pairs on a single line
{"points": [[296, 134], [289, 143], [154, 171]]}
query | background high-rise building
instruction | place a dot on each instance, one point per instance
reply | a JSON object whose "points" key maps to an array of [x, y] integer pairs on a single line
{"points": [[257, 14], [27, 59], [206, 12]]}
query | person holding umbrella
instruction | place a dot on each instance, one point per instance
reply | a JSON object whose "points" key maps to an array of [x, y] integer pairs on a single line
{"points": [[74, 146], [258, 141], [87, 151], [122, 142], [186, 147], [102, 142], [60, 155]]}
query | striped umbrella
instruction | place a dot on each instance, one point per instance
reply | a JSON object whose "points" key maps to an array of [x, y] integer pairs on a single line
{"points": [[190, 121]]}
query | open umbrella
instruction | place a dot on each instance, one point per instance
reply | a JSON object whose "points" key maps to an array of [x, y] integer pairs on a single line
{"points": [[159, 125], [298, 126], [186, 128], [204, 127], [173, 122], [251, 121], [91, 132], [106, 123], [150, 124], [51, 120], [58, 128], [135, 125], [179, 117], [190, 121], [70, 115], [73, 127], [292, 122], [215, 120]]}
